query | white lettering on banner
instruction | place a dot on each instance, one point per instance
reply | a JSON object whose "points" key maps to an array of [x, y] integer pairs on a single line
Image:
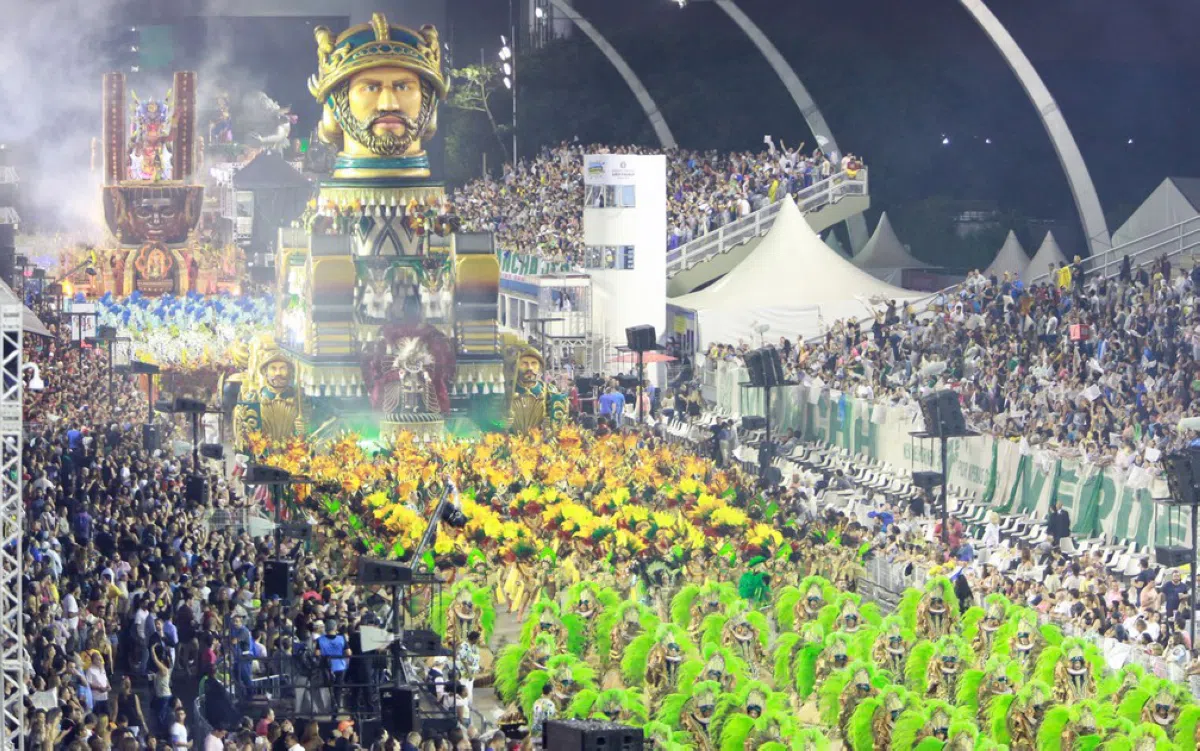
{"points": [[1099, 502]]}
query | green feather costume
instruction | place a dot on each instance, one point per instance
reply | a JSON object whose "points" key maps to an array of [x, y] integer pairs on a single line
{"points": [[480, 598], [508, 667], [544, 615], [612, 616], [799, 604], [752, 697], [614, 705], [712, 597], [863, 730], [1141, 737], [691, 700], [582, 628], [637, 655], [582, 675]]}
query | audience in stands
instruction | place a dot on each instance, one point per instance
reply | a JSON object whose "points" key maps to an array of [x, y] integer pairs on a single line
{"points": [[537, 207]]}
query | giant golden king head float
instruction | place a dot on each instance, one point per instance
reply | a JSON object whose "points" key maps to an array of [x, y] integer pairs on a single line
{"points": [[387, 311], [380, 85]]}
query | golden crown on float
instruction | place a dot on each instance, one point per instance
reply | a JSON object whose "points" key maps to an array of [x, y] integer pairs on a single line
{"points": [[372, 45]]}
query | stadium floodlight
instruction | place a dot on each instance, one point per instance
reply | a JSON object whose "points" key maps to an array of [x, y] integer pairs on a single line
{"points": [[507, 82], [505, 53], [538, 12], [507, 69], [504, 40]]}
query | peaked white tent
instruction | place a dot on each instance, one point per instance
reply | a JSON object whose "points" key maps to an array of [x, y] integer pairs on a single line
{"points": [[1039, 265], [792, 282], [884, 256], [1175, 200], [831, 239], [1011, 259]]}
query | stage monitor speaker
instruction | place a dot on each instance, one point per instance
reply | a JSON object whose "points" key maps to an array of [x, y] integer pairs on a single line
{"points": [[592, 735], [151, 438], [1172, 556], [277, 580], [398, 707], [184, 405], [754, 366], [377, 572], [641, 338], [425, 643], [195, 489]]}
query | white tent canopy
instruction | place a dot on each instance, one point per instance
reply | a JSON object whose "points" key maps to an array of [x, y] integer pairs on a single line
{"points": [[1039, 266], [1011, 259], [792, 282], [884, 256], [1175, 200]]}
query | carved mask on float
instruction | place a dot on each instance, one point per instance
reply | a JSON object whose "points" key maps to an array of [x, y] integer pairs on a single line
{"points": [[152, 213]]}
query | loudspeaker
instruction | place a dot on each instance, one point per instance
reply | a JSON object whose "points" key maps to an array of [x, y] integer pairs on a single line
{"points": [[753, 422], [195, 489], [8, 263], [188, 406], [424, 643], [772, 367], [373, 571], [641, 338], [261, 474], [151, 438], [277, 580], [398, 707], [261, 274], [1180, 469], [591, 735], [926, 480], [943, 415], [754, 366], [1172, 556]]}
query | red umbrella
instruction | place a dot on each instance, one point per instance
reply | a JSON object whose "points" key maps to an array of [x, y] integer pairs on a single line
{"points": [[647, 357]]}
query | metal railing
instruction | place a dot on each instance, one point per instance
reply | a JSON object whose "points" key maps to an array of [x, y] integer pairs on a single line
{"points": [[1171, 241], [814, 197]]}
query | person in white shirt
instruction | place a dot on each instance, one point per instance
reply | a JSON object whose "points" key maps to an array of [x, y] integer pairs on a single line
{"points": [[991, 533], [178, 733], [215, 740]]}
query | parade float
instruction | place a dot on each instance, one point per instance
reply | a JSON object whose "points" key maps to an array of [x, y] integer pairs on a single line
{"points": [[385, 317]]}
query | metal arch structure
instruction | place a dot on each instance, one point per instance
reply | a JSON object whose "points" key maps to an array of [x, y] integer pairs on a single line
{"points": [[665, 138], [856, 225], [1087, 202], [12, 510]]}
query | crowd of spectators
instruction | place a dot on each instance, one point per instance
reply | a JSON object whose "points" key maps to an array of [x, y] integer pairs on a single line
{"points": [[537, 207], [1100, 369], [144, 611]]}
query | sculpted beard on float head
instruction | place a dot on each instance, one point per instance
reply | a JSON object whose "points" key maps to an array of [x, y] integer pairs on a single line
{"points": [[387, 111]]}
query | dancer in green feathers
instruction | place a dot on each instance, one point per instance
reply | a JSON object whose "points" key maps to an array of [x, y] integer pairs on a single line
{"points": [[1073, 669], [581, 610], [795, 606], [964, 736], [516, 662], [661, 737], [691, 710], [775, 729], [1077, 727], [615, 705], [889, 644], [810, 739], [935, 669], [742, 630], [544, 618], [616, 627], [468, 608], [694, 603], [841, 693], [1014, 720], [1115, 685], [566, 674], [979, 687], [788, 646], [981, 624], [720, 664], [1143, 737], [1023, 640], [933, 612], [1155, 701], [1187, 726], [848, 615], [751, 701], [652, 662], [873, 719], [816, 662], [930, 719]]}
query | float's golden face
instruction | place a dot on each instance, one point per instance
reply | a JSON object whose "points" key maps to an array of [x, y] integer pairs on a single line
{"points": [[529, 370]]}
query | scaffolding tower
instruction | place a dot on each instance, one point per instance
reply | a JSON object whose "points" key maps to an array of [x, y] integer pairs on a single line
{"points": [[12, 636]]}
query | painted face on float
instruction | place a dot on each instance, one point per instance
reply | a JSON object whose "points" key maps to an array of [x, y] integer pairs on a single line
{"points": [[382, 109], [529, 370]]}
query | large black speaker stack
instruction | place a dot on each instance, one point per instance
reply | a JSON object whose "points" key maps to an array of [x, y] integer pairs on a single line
{"points": [[592, 735], [641, 339], [765, 367], [277, 580]]}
